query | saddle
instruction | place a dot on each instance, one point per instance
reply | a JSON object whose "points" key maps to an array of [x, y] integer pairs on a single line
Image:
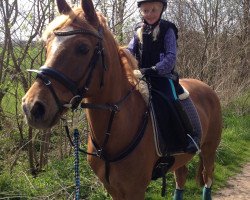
{"points": [[170, 121], [170, 136]]}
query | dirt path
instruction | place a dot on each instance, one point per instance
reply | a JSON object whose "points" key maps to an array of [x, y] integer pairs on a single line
{"points": [[238, 187]]}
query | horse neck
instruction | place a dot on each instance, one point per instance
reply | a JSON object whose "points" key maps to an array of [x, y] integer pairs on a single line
{"points": [[116, 88], [115, 84], [113, 89]]}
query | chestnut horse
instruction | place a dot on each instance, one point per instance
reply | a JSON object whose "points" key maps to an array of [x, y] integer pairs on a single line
{"points": [[84, 62]]}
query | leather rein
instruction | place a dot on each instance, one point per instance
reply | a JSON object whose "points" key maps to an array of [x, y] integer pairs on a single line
{"points": [[45, 73]]}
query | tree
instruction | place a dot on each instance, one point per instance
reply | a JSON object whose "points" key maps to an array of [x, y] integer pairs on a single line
{"points": [[117, 13], [19, 52]]}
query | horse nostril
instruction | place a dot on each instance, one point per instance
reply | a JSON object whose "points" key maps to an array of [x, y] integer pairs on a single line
{"points": [[38, 110]]}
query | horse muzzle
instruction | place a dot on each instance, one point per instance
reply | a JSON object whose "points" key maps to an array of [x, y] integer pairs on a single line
{"points": [[38, 115]]}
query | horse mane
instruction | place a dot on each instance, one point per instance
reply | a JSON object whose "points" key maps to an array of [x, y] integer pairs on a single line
{"points": [[129, 64]]}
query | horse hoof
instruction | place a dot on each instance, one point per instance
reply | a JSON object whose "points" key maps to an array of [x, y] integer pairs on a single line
{"points": [[178, 194], [206, 195]]}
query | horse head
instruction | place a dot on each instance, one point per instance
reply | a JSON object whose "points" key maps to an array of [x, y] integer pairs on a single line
{"points": [[75, 66]]}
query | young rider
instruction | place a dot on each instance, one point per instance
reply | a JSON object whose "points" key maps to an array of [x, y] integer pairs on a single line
{"points": [[155, 47]]}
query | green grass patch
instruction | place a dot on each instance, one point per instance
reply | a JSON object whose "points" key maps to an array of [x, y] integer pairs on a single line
{"points": [[56, 182]]}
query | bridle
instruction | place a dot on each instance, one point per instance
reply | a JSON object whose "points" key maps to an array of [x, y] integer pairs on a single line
{"points": [[45, 72]]}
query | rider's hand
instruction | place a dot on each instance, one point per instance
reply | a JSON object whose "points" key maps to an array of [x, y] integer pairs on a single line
{"points": [[152, 71]]}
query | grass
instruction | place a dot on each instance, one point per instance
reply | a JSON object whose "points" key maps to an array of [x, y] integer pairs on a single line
{"points": [[57, 180]]}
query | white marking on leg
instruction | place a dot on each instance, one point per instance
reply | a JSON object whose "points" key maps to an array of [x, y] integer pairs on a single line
{"points": [[178, 187], [209, 183]]}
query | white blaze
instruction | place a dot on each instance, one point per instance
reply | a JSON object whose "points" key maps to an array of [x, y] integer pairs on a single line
{"points": [[59, 40]]}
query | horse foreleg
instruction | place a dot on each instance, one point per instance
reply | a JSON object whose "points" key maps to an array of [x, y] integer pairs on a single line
{"points": [[128, 186], [180, 180], [181, 177]]}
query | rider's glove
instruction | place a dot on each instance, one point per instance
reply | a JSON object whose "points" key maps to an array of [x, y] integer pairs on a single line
{"points": [[152, 71]]}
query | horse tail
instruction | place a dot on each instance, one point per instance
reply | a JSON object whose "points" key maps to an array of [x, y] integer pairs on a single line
{"points": [[199, 174]]}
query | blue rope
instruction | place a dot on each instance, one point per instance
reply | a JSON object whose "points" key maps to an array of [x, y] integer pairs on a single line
{"points": [[77, 175]]}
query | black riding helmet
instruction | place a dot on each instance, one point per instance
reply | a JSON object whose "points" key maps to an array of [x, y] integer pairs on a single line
{"points": [[164, 2]]}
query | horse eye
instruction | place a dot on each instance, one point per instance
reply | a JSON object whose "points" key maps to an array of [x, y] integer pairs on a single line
{"points": [[82, 49]]}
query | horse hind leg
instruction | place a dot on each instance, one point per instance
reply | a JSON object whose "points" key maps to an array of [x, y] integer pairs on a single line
{"points": [[207, 159], [205, 174], [180, 180]]}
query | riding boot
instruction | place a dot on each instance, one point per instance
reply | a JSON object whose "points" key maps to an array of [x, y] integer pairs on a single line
{"points": [[195, 135]]}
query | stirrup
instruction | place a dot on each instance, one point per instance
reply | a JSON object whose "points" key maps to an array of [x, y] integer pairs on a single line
{"points": [[193, 148]]}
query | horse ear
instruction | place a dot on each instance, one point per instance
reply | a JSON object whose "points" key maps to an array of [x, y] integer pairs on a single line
{"points": [[63, 7], [90, 13]]}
